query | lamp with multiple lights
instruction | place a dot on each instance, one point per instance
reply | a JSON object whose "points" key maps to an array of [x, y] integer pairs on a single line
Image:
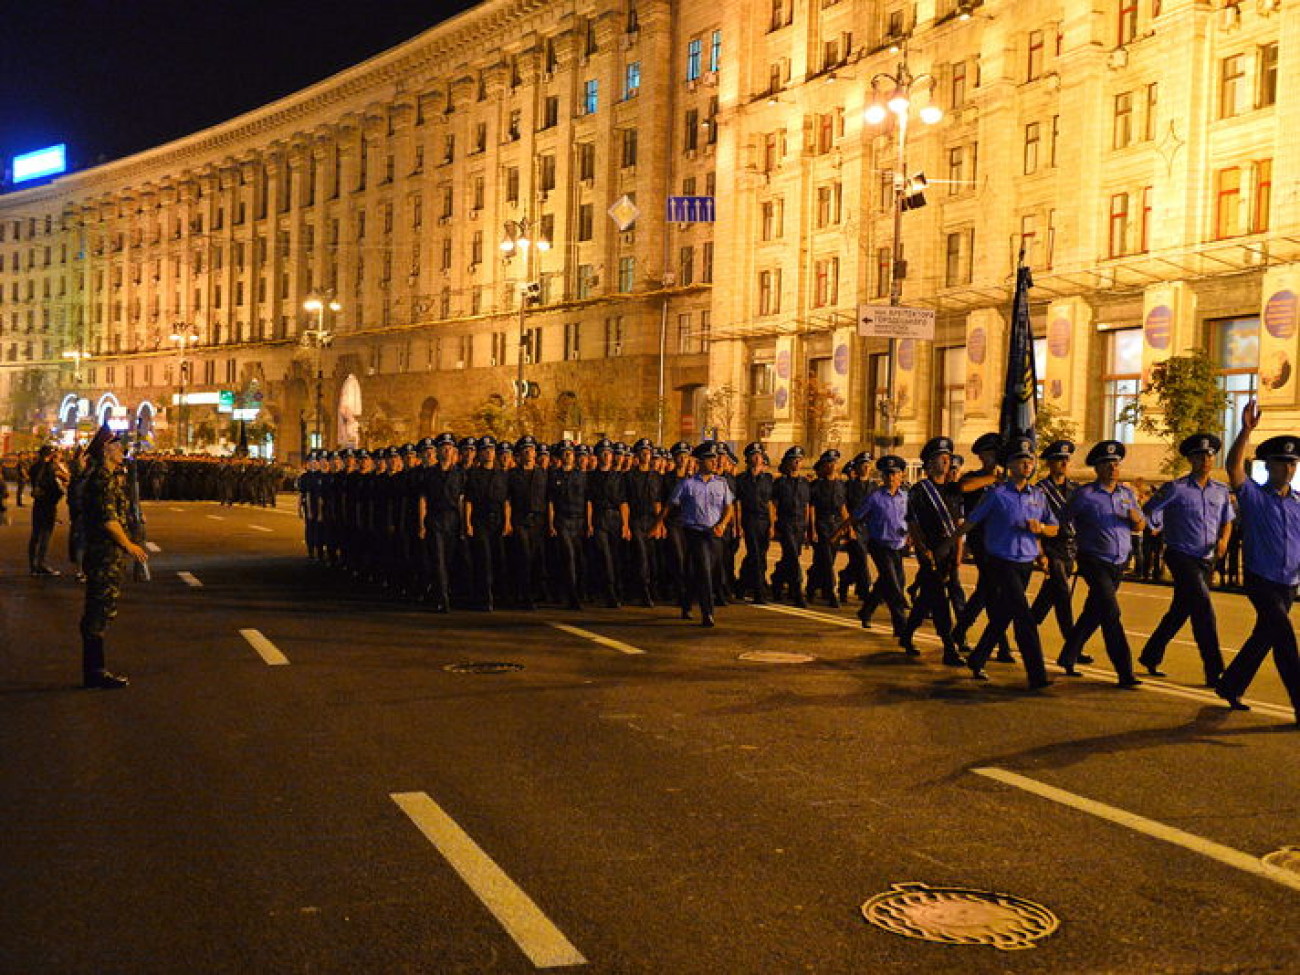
{"points": [[517, 239], [319, 339]]}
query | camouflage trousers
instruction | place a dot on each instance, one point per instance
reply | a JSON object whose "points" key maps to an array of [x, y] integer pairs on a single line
{"points": [[104, 567]]}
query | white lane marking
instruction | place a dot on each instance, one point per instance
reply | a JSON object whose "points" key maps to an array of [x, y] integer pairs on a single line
{"points": [[259, 528], [190, 580], [604, 641], [153, 547], [215, 517], [538, 938], [1193, 693], [265, 648], [1149, 827], [176, 509]]}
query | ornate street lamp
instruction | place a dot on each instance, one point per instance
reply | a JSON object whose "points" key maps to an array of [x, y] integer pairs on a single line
{"points": [[183, 336], [319, 339], [517, 239]]}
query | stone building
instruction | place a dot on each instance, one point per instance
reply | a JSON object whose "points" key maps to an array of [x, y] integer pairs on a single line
{"points": [[1134, 149]]}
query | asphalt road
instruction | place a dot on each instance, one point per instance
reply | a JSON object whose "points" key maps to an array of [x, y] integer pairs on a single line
{"points": [[353, 806]]}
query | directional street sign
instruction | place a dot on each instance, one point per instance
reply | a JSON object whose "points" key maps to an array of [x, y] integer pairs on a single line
{"points": [[896, 322], [691, 209]]}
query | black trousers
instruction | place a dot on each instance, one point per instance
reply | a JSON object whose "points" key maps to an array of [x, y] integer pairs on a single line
{"points": [[788, 571], [527, 547], [889, 585], [640, 560], [606, 539], [978, 603], [932, 601], [1191, 600], [487, 559], [1273, 631], [702, 554], [856, 575], [1101, 609], [43, 519], [753, 568], [439, 549], [1008, 605], [821, 574], [568, 560], [1054, 594]]}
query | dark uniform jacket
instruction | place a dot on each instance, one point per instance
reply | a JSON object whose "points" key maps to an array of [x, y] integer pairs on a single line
{"points": [[791, 495], [754, 492], [443, 488], [526, 492]]}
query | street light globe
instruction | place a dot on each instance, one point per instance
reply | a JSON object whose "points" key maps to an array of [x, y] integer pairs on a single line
{"points": [[543, 245], [899, 104], [335, 306], [875, 113], [312, 304], [507, 246], [931, 114]]}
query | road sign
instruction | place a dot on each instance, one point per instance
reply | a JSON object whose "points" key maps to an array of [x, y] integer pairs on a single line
{"points": [[624, 212], [896, 322], [691, 209], [226, 401]]}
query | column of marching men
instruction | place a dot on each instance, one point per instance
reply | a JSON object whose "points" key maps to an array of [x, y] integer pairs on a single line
{"points": [[481, 523]]}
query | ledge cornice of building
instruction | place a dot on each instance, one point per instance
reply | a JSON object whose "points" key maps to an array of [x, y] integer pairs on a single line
{"points": [[384, 77]]}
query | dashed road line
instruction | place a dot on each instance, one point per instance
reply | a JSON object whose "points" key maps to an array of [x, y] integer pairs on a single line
{"points": [[190, 580], [604, 641], [259, 528], [215, 517], [153, 547], [538, 938], [178, 510], [267, 650], [1149, 827], [1156, 686]]}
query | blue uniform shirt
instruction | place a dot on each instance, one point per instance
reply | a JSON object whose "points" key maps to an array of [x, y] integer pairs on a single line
{"points": [[703, 503], [1271, 536], [1005, 511], [1191, 516], [1101, 522], [884, 516]]}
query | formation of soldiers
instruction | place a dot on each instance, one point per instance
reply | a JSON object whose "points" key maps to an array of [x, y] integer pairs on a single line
{"points": [[480, 523], [199, 477]]}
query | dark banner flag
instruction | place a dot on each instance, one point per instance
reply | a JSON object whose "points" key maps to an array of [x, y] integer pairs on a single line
{"points": [[1020, 391]]}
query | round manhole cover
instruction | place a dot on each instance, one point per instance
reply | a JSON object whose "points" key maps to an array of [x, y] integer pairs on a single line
{"points": [[958, 916], [484, 667], [777, 657], [1287, 858]]}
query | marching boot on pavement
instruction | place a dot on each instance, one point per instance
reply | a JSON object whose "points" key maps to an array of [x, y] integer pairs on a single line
{"points": [[881, 522], [1058, 551], [756, 513], [1270, 515], [105, 513], [1104, 513], [1015, 514], [829, 511], [706, 505], [1195, 516], [932, 513], [791, 494]]}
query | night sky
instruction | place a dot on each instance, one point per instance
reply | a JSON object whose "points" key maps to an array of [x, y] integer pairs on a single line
{"points": [[112, 77]]}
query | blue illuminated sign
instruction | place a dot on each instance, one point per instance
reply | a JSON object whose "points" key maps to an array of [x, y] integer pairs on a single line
{"points": [[42, 162]]}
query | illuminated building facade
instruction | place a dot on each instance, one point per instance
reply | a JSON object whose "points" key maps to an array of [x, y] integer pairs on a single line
{"points": [[1133, 148]]}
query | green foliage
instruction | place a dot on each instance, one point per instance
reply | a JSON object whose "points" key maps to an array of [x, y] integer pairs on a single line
{"points": [[1051, 423], [1182, 397]]}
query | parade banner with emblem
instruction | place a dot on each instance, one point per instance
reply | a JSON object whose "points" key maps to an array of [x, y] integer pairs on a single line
{"points": [[783, 369], [1168, 311], [1060, 344], [1020, 385], [983, 328], [1279, 337], [842, 366]]}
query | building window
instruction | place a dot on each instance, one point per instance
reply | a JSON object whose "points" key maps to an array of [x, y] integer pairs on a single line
{"points": [[1118, 236], [686, 266], [1128, 21], [632, 80], [1144, 222], [1031, 148], [1028, 236], [586, 160], [1227, 203], [572, 341], [1053, 139], [628, 154], [1152, 116], [706, 262], [772, 219], [826, 282], [590, 96], [884, 261], [1034, 68], [1122, 123], [761, 378], [1122, 381], [626, 274], [769, 292], [715, 51], [1263, 199], [958, 257], [830, 205], [586, 280], [512, 184], [694, 52], [957, 91], [1235, 343], [614, 336], [1232, 86], [546, 173], [1266, 86], [956, 170], [551, 112], [952, 390], [691, 134]]}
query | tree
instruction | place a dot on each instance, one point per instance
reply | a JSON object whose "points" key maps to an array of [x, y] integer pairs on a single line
{"points": [[1052, 424], [1182, 397], [720, 406], [32, 392], [823, 410]]}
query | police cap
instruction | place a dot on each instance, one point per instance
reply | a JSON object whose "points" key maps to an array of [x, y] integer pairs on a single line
{"points": [[1105, 451], [1016, 448], [794, 453], [705, 450], [1059, 450], [679, 448], [987, 442], [1200, 443], [934, 447], [891, 464], [603, 444], [828, 457], [752, 448], [1285, 447], [444, 440], [527, 440], [645, 443]]}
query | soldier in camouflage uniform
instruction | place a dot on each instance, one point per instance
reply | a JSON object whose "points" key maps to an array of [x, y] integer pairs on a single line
{"points": [[105, 513]]}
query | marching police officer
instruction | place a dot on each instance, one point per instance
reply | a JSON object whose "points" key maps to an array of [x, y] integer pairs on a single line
{"points": [[856, 575], [974, 484], [1270, 514], [526, 516], [486, 490], [442, 494], [643, 486], [791, 494], [829, 511], [1195, 514], [1059, 549], [1015, 514], [881, 520], [707, 505], [1104, 513], [755, 511], [932, 514], [566, 496], [607, 519]]}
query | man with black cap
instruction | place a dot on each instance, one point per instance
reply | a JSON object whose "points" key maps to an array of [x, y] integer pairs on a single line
{"points": [[973, 485], [105, 512], [486, 491], [48, 487], [1058, 550], [1015, 514], [643, 486], [706, 505], [829, 512], [526, 518], [442, 508], [933, 510], [755, 512], [855, 575], [880, 518], [566, 495], [1270, 516], [607, 520], [1104, 514], [790, 495], [1195, 517]]}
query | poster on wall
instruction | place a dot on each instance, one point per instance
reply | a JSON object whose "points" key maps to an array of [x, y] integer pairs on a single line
{"points": [[842, 367], [1277, 347], [905, 378], [1060, 331], [784, 369], [977, 354]]}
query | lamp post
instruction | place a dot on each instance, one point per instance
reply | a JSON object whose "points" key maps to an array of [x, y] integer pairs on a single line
{"points": [[892, 96], [77, 357], [319, 339], [183, 337], [517, 239]]}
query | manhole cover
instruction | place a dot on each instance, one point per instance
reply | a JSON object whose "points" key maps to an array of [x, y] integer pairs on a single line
{"points": [[484, 667], [1287, 858], [777, 657], [957, 916]]}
